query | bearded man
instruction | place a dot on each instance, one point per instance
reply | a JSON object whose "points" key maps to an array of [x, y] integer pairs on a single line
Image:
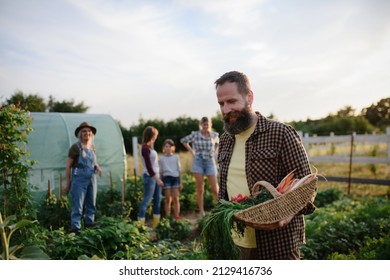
{"points": [[254, 148]]}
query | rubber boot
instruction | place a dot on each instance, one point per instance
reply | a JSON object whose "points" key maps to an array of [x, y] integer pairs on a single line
{"points": [[141, 221], [156, 220]]}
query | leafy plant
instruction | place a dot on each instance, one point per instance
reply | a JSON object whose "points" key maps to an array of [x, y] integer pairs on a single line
{"points": [[188, 194], [134, 195], [328, 196], [170, 250], [7, 228], [14, 187], [372, 249], [109, 203], [344, 226], [168, 228], [217, 229], [110, 238], [54, 213]]}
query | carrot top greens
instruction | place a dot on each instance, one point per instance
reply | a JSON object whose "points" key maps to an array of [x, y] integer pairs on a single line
{"points": [[217, 231]]}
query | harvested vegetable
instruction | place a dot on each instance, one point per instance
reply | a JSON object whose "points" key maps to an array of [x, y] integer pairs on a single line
{"points": [[216, 234], [286, 183], [217, 231]]}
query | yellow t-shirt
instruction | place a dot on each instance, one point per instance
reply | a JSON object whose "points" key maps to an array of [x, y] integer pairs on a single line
{"points": [[237, 184]]}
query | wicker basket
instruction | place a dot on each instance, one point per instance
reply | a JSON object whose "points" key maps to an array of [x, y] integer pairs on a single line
{"points": [[281, 207]]}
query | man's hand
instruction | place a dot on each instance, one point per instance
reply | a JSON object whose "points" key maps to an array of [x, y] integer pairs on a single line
{"points": [[273, 226]]}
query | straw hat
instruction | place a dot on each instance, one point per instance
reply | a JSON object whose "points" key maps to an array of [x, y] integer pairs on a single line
{"points": [[84, 125]]}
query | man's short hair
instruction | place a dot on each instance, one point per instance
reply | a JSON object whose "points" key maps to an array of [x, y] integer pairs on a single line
{"points": [[242, 81]]}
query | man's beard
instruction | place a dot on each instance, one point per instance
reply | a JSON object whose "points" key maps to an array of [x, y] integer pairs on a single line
{"points": [[237, 121]]}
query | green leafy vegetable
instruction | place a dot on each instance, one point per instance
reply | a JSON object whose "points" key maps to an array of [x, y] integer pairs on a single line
{"points": [[216, 234]]}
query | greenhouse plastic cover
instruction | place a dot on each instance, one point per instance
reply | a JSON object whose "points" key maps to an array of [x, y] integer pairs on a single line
{"points": [[51, 138]]}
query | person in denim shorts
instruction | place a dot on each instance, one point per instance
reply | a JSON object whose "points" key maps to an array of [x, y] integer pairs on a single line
{"points": [[81, 167], [170, 170], [204, 146]]}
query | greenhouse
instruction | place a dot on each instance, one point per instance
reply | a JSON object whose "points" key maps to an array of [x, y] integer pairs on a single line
{"points": [[53, 134]]}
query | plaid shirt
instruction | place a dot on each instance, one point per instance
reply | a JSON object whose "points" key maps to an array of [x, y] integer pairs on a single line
{"points": [[271, 152], [203, 147]]}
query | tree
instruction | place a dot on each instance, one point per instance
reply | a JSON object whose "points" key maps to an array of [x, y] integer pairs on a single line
{"points": [[218, 123], [378, 114], [66, 106], [346, 111], [31, 102], [174, 129]]}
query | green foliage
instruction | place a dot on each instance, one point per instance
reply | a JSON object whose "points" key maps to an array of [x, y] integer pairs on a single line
{"points": [[35, 103], [170, 250], [372, 249], [66, 106], [216, 233], [115, 239], [31, 102], [378, 114], [375, 249], [344, 226], [340, 125], [106, 240], [134, 194], [188, 195], [328, 196], [14, 187], [10, 226], [109, 203], [54, 213], [217, 123], [168, 228]]}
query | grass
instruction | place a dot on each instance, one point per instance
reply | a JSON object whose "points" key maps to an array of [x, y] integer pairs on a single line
{"points": [[359, 149]]}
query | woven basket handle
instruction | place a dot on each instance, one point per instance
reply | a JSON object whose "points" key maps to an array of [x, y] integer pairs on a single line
{"points": [[271, 189]]}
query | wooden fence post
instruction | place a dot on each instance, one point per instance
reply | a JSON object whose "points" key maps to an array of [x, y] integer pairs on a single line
{"points": [[123, 190], [110, 175], [388, 142], [350, 163], [60, 190], [135, 177], [388, 147], [48, 188], [303, 137]]}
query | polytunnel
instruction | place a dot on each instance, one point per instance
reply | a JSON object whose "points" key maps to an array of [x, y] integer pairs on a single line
{"points": [[52, 136]]}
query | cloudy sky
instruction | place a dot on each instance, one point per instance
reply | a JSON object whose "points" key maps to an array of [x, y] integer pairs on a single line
{"points": [[159, 59]]}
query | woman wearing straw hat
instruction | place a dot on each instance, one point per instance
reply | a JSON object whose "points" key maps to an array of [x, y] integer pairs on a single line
{"points": [[81, 169]]}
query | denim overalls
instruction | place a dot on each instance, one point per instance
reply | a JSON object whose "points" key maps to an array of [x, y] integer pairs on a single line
{"points": [[83, 189]]}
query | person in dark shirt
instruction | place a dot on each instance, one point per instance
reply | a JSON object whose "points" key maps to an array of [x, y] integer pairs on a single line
{"points": [[254, 148], [151, 176]]}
